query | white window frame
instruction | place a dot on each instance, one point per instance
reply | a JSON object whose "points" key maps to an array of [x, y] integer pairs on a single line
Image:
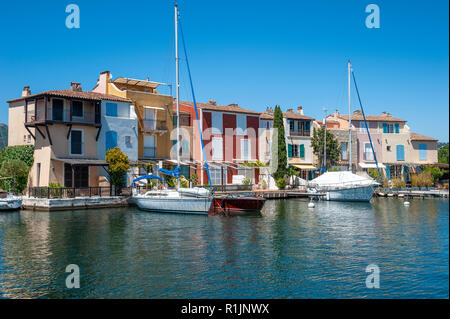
{"points": [[82, 142], [214, 156], [364, 153], [249, 144]]}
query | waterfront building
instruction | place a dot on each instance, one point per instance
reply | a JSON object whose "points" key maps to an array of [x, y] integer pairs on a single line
{"points": [[397, 150], [70, 131], [153, 111], [230, 135], [298, 132]]}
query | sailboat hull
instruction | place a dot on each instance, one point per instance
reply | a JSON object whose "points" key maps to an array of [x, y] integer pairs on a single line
{"points": [[356, 194], [182, 205]]}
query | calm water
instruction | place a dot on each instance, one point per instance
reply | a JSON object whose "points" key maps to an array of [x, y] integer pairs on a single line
{"points": [[289, 251]]}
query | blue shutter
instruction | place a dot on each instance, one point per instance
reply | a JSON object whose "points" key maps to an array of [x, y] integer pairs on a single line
{"points": [[423, 152], [397, 128], [385, 128], [400, 153], [302, 150], [111, 109], [111, 140], [388, 172], [289, 150]]}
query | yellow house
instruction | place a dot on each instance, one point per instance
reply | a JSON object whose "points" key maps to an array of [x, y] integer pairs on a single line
{"points": [[154, 112]]}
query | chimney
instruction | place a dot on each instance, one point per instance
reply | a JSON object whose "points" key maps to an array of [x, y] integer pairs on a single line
{"points": [[102, 82], [148, 79], [75, 86], [336, 113], [300, 110], [212, 102], [233, 104], [388, 114], [290, 110], [383, 113], [26, 91]]}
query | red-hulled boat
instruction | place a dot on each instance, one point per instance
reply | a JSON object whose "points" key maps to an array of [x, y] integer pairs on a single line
{"points": [[236, 205]]}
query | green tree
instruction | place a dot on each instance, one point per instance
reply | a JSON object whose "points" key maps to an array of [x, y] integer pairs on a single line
{"points": [[16, 169], [119, 164], [19, 152], [333, 146], [436, 172], [443, 154], [279, 156]]}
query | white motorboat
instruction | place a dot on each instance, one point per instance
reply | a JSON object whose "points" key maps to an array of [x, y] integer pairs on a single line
{"points": [[10, 202], [344, 186], [183, 200]]}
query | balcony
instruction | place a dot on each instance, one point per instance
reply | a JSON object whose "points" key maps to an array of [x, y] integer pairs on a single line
{"points": [[299, 133], [38, 118], [154, 125]]}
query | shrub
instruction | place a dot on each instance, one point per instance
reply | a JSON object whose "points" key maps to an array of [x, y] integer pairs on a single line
{"points": [[18, 152], [118, 167], [184, 183], [281, 182], [194, 179], [18, 171], [246, 181], [398, 182], [170, 180]]}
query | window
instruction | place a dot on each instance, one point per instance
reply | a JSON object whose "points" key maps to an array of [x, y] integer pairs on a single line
{"points": [[362, 126], [216, 176], [77, 108], [150, 146], [400, 153], [57, 109], [241, 124], [422, 152], [216, 122], [217, 148], [294, 150], [38, 174], [76, 142], [267, 125], [388, 148], [368, 154], [29, 138], [24, 138], [344, 151], [111, 109], [110, 140], [397, 128], [80, 176], [388, 128], [245, 149], [291, 125], [127, 139]]}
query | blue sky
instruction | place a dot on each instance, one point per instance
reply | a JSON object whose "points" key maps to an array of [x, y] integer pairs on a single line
{"points": [[253, 53]]}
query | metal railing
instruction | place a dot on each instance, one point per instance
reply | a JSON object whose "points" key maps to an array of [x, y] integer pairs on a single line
{"points": [[299, 133], [72, 192], [88, 117], [154, 125]]}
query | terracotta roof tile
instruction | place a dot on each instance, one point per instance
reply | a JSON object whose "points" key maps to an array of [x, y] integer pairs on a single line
{"points": [[234, 108], [292, 115], [373, 118], [85, 95], [419, 137]]}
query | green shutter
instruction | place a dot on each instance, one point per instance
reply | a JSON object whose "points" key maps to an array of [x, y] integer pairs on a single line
{"points": [[289, 150], [307, 126], [302, 150]]}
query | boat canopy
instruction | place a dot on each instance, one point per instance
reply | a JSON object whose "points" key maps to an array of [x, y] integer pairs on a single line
{"points": [[148, 177], [343, 178], [176, 172]]}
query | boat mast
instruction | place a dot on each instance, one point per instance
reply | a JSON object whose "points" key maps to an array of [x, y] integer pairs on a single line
{"points": [[325, 139], [349, 121], [177, 73]]}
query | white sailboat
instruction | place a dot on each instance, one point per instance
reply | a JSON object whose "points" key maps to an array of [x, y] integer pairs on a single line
{"points": [[344, 185], [180, 200]]}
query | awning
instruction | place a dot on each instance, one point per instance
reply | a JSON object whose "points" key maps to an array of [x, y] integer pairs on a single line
{"points": [[304, 166], [82, 161], [371, 165], [153, 107]]}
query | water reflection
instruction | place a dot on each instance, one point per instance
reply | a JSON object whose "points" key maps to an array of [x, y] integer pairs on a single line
{"points": [[287, 251]]}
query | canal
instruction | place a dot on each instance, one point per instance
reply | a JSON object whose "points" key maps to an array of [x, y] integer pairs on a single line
{"points": [[288, 251]]}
